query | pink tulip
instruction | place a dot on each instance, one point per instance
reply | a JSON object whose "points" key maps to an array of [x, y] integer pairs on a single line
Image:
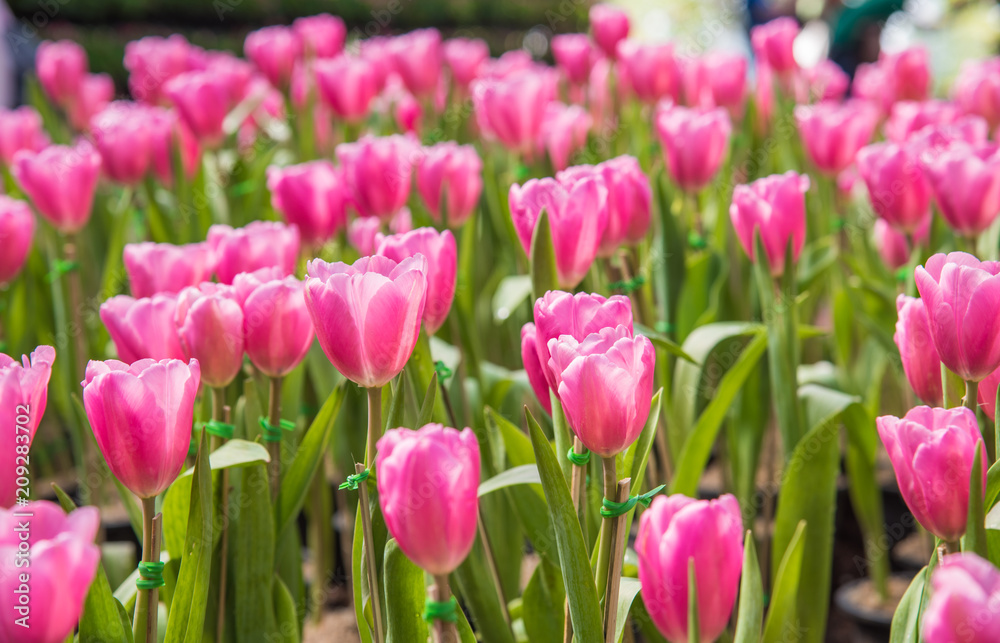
{"points": [[231, 78], [363, 233], [564, 132], [322, 36], [695, 142], [428, 487], [932, 140], [449, 180], [764, 97], [61, 67], [577, 213], [932, 451], [416, 57], [609, 25], [408, 114], [142, 416], [533, 367], [123, 137], [574, 54], [871, 83], [965, 181], [962, 296], [509, 64], [378, 171], [908, 72], [629, 197], [675, 531], [209, 322], [896, 185], [143, 328], [776, 206], [170, 137], [894, 247], [909, 117], [921, 362], [61, 566], [375, 50], [165, 268], [367, 315], [511, 109], [441, 253], [773, 44], [276, 321], [599, 92], [17, 229], [963, 603], [20, 129], [832, 132], [73, 169], [465, 58], [94, 94], [605, 384], [202, 99], [152, 61], [347, 84], [823, 81], [257, 245], [651, 71], [23, 394], [977, 89], [717, 79], [311, 196], [274, 50]]}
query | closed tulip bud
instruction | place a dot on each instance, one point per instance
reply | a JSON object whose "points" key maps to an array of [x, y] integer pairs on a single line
{"points": [[408, 113], [142, 416], [932, 451], [510, 109], [933, 140], [871, 83], [274, 51], [276, 322], [564, 132], [599, 91], [773, 43], [465, 58], [347, 84], [416, 57], [20, 129], [428, 487], [823, 81], [675, 531], [908, 117], [965, 181], [153, 60], [170, 137], [17, 229], [63, 562], [920, 358], [533, 367], [977, 89], [450, 181], [896, 185], [163, 267], [833, 132], [908, 72], [123, 138], [259, 244], [962, 297], [61, 67], [322, 36], [74, 169], [378, 171], [202, 99], [367, 315], [609, 25], [363, 234], [23, 393], [894, 247], [229, 80], [209, 322], [776, 206], [717, 79], [651, 71], [376, 52], [143, 328], [964, 599], [574, 54], [311, 196], [94, 94], [441, 253], [577, 213], [695, 142]]}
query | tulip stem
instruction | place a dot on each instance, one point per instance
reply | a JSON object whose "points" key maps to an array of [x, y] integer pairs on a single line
{"points": [[274, 448], [146, 601], [374, 424], [578, 494], [220, 412], [444, 631], [971, 400], [952, 546], [369, 553], [604, 543]]}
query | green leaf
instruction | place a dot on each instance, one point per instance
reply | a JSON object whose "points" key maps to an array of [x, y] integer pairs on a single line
{"points": [[751, 607], [544, 276], [636, 457], [627, 592], [673, 240], [543, 602], [237, 453], [524, 474], [906, 619], [975, 526], [783, 610], [405, 596], [427, 408], [251, 553], [574, 561], [285, 613], [362, 608], [693, 622], [663, 342], [512, 291], [516, 443], [473, 585]]}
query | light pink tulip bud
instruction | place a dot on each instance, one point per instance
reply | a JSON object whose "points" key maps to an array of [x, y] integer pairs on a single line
{"points": [[932, 451], [977, 89], [717, 79], [908, 117], [61, 67], [695, 142], [378, 171], [963, 603], [20, 129], [605, 384], [465, 58], [363, 233], [450, 180], [17, 229], [276, 322], [322, 36], [908, 72], [74, 169], [651, 71], [965, 181], [833, 132], [233, 76], [416, 57], [94, 94], [259, 244], [533, 367], [163, 267], [823, 81], [674, 531], [170, 137], [347, 84], [209, 322], [408, 114], [609, 25], [574, 54], [428, 487], [962, 296], [871, 83], [63, 562], [894, 247], [920, 358], [142, 416], [564, 132], [511, 109], [143, 328], [776, 206], [202, 99], [123, 137], [773, 44], [441, 253], [367, 315], [24, 390], [896, 185], [152, 61], [274, 50], [311, 196]]}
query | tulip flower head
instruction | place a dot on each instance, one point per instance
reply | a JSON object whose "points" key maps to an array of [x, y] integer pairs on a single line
{"points": [[277, 326], [511, 109], [17, 229], [259, 244], [695, 143], [94, 94], [564, 132], [896, 184], [833, 132], [209, 322], [322, 35], [716, 79], [23, 394], [977, 89], [920, 358], [964, 601], [311, 196], [73, 169], [274, 51], [441, 253], [363, 233], [416, 57], [347, 84], [775, 206], [609, 25], [465, 58], [61, 67], [651, 72], [153, 60], [378, 171], [450, 181], [965, 181], [202, 98], [574, 54], [533, 367], [20, 129], [124, 141], [143, 328], [162, 267], [773, 44]]}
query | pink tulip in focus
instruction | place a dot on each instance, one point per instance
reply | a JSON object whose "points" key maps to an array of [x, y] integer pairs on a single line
{"points": [[650, 71], [311, 196], [574, 54], [170, 138], [894, 247], [833, 132], [920, 358], [908, 117], [609, 25], [511, 109], [533, 367], [347, 84], [675, 530], [163, 267], [274, 50], [773, 44], [564, 132], [322, 35], [24, 389], [428, 487], [378, 171], [977, 89], [441, 253], [963, 604], [20, 129], [367, 315], [450, 180], [577, 212], [61, 67], [73, 169], [717, 79], [896, 185], [202, 98], [64, 560], [823, 81], [142, 416], [932, 451], [695, 142], [962, 296], [143, 328], [416, 57], [152, 61], [465, 58], [276, 322], [94, 94], [209, 322], [124, 139], [17, 229], [965, 181], [605, 384], [363, 232], [776, 206]]}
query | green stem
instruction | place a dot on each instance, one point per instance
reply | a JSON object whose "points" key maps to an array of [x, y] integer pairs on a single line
{"points": [[274, 448], [952, 546], [219, 415], [374, 424], [971, 399], [604, 546], [144, 623]]}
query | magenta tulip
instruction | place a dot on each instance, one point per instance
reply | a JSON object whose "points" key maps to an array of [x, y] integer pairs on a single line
{"points": [[574, 54], [823, 81], [202, 98], [428, 487], [987, 394], [450, 180], [776, 207], [143, 328], [773, 44], [347, 84], [564, 132], [932, 451], [20, 129], [416, 57], [717, 79], [23, 394], [163, 267], [871, 83], [274, 50], [897, 188], [311, 196], [965, 181], [977, 89], [605, 384], [921, 362], [74, 169], [17, 229], [509, 64], [209, 322], [695, 142], [170, 138], [675, 531], [650, 71], [124, 140], [609, 25], [932, 140], [94, 94], [62, 563], [511, 109], [257, 245], [142, 416], [465, 58], [908, 117], [152, 61], [894, 247], [908, 72], [963, 604], [833, 132], [322, 36], [61, 67], [276, 322], [231, 77], [363, 233], [533, 367], [367, 315], [378, 171], [441, 253]]}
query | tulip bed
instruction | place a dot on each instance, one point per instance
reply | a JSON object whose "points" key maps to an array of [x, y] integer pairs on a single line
{"points": [[677, 310]]}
